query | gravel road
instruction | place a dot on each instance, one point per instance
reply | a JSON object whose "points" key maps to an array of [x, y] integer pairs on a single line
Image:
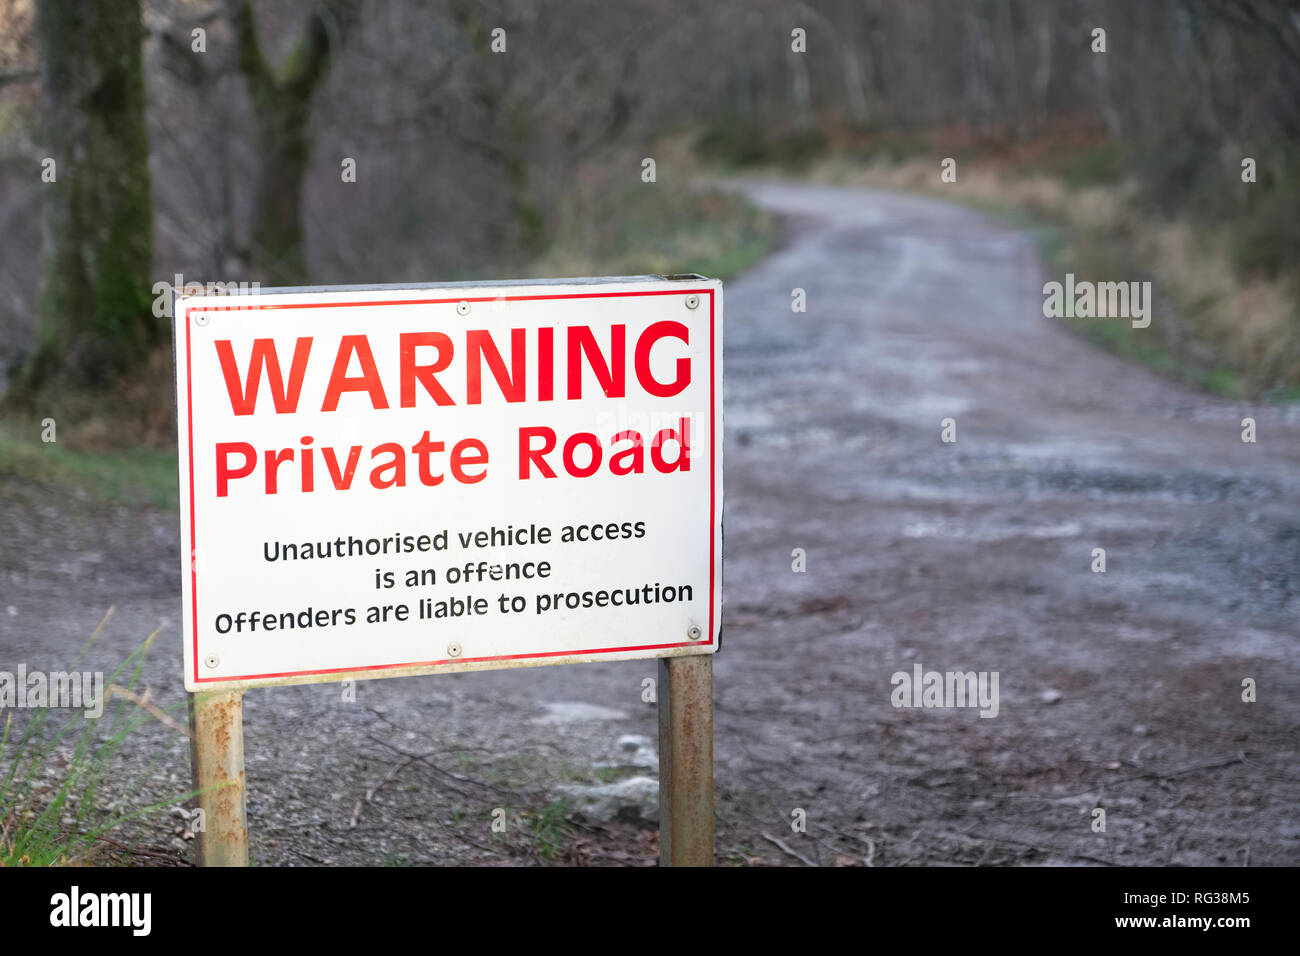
{"points": [[1119, 690]]}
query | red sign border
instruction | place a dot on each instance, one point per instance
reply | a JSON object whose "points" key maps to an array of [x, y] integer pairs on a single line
{"points": [[713, 457]]}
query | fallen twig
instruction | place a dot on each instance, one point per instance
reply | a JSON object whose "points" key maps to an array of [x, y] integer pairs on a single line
{"points": [[370, 794], [144, 703], [786, 849], [172, 858]]}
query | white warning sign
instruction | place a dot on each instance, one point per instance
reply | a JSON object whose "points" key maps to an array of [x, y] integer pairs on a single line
{"points": [[384, 481]]}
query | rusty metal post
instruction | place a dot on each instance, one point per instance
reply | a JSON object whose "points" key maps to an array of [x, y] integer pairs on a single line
{"points": [[686, 760], [217, 761]]}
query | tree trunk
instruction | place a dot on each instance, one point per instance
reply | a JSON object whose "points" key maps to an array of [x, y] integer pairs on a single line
{"points": [[283, 150], [282, 103], [490, 84], [94, 312]]}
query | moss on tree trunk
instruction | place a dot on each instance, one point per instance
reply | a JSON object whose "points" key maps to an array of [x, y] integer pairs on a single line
{"points": [[95, 316]]}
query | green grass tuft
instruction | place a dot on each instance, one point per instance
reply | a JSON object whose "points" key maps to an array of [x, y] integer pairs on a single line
{"points": [[52, 775], [551, 830]]}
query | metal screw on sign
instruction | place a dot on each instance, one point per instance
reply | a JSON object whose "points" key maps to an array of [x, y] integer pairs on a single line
{"points": [[692, 302], [694, 632], [462, 308], [200, 319], [453, 649], [212, 660]]}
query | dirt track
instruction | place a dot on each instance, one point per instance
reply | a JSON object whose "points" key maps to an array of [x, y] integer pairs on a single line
{"points": [[1120, 690]]}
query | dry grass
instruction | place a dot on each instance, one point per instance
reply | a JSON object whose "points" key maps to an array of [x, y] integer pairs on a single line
{"points": [[1241, 334]]}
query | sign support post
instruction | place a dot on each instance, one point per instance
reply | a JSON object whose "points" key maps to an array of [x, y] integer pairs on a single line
{"points": [[217, 760], [686, 761]]}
